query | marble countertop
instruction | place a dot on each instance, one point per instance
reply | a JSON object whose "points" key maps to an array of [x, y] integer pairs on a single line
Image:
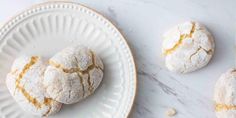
{"points": [[143, 22]]}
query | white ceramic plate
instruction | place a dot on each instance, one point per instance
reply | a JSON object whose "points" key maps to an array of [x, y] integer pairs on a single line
{"points": [[48, 28]]}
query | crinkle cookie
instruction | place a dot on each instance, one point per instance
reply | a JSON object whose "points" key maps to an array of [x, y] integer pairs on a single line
{"points": [[25, 85], [73, 74], [225, 95], [187, 47]]}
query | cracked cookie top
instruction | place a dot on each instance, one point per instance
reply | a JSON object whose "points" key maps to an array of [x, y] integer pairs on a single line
{"points": [[187, 47], [73, 74], [25, 85], [225, 95]]}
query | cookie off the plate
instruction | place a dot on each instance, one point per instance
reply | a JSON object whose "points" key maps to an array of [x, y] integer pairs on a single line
{"points": [[187, 47]]}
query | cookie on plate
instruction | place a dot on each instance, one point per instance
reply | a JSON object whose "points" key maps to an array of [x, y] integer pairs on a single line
{"points": [[73, 74], [187, 47], [225, 95], [25, 85]]}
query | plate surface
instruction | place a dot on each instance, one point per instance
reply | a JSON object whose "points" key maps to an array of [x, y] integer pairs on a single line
{"points": [[48, 28]]}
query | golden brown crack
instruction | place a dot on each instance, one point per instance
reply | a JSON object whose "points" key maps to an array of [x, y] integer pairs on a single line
{"points": [[73, 70], [90, 85], [207, 51], [195, 53], [182, 37], [33, 60], [90, 68], [47, 102], [31, 99], [82, 82], [48, 111], [79, 72], [221, 107], [34, 101]]}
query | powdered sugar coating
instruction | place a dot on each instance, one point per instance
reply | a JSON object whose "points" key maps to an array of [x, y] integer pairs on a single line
{"points": [[225, 95], [187, 47], [73, 74], [25, 85]]}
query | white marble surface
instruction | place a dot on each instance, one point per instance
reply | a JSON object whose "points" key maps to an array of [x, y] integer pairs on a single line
{"points": [[142, 23]]}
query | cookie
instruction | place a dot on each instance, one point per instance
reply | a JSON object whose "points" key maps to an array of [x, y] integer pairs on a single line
{"points": [[187, 47], [225, 95], [73, 74], [25, 85]]}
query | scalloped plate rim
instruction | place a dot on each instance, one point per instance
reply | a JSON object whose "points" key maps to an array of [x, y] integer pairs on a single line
{"points": [[5, 26]]}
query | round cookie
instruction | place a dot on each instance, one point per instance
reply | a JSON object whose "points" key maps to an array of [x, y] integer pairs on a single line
{"points": [[225, 95], [73, 74], [25, 85], [187, 47]]}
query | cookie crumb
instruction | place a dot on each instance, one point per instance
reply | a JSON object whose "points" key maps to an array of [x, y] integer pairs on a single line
{"points": [[171, 112]]}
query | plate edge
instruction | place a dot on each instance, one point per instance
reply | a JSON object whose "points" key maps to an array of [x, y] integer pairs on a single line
{"points": [[7, 22]]}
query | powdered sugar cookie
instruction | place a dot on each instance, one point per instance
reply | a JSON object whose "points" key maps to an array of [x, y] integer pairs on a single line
{"points": [[73, 74], [225, 95], [187, 47], [25, 85]]}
